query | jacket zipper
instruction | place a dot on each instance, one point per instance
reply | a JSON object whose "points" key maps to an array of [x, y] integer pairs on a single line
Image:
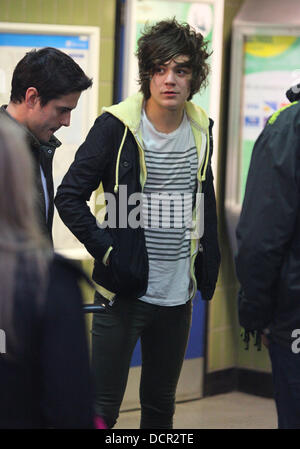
{"points": [[143, 173], [198, 247]]}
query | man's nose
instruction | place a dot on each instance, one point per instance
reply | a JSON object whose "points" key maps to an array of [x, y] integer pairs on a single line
{"points": [[170, 77], [66, 119]]}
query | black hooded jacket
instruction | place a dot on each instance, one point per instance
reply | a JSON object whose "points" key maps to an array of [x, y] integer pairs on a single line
{"points": [[99, 160]]}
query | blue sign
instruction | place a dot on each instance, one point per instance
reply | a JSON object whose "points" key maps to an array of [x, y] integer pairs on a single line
{"points": [[252, 120], [44, 40]]}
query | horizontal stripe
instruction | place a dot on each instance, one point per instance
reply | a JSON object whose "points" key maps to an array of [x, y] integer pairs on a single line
{"points": [[153, 167], [156, 174], [170, 253], [163, 197], [167, 161], [169, 248], [172, 179], [167, 259], [169, 240], [167, 216], [169, 233], [165, 256], [152, 237], [180, 249], [167, 189], [170, 152]]}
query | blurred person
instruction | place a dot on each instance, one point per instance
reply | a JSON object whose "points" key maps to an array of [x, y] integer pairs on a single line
{"points": [[155, 142], [45, 88], [44, 364], [268, 257]]}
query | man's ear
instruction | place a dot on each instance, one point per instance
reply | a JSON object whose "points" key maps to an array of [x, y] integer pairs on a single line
{"points": [[31, 97]]}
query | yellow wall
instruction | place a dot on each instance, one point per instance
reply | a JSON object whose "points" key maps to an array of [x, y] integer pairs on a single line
{"points": [[225, 348], [222, 319]]}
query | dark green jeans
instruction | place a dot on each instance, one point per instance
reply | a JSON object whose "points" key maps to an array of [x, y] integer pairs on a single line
{"points": [[164, 334]]}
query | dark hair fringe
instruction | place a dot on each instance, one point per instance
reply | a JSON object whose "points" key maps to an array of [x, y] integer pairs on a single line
{"points": [[164, 41]]}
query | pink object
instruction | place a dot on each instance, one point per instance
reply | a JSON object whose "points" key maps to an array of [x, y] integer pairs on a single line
{"points": [[99, 423]]}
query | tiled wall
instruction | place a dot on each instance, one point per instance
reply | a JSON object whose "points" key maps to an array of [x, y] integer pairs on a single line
{"points": [[225, 348], [100, 13]]}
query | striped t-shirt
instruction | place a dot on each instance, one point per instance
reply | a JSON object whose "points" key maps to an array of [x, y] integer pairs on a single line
{"points": [[171, 161]]}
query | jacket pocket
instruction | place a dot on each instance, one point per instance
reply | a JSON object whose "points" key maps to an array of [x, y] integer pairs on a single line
{"points": [[128, 263]]}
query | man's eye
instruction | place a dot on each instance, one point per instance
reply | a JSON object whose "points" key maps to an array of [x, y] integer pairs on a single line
{"points": [[182, 72]]}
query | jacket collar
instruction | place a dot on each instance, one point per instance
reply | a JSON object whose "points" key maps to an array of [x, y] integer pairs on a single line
{"points": [[129, 113], [31, 139]]}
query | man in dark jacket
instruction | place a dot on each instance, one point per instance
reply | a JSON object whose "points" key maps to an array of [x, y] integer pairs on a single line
{"points": [[46, 86], [153, 147], [268, 258]]}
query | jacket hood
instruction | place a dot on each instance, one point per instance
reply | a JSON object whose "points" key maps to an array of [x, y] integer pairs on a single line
{"points": [[129, 112], [293, 94]]}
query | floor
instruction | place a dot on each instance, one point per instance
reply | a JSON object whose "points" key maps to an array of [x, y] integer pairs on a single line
{"points": [[225, 411]]}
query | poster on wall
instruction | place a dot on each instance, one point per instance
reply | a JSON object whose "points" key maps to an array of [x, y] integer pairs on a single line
{"points": [[13, 46], [206, 16], [271, 65], [199, 15]]}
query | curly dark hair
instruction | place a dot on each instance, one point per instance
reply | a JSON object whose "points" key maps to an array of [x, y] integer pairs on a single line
{"points": [[52, 72], [164, 41]]}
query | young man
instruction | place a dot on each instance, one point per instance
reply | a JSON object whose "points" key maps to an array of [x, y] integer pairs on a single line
{"points": [[154, 143], [268, 258], [46, 86]]}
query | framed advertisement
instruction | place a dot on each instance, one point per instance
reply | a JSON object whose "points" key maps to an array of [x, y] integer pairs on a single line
{"points": [[206, 16], [270, 67], [264, 65], [82, 44]]}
